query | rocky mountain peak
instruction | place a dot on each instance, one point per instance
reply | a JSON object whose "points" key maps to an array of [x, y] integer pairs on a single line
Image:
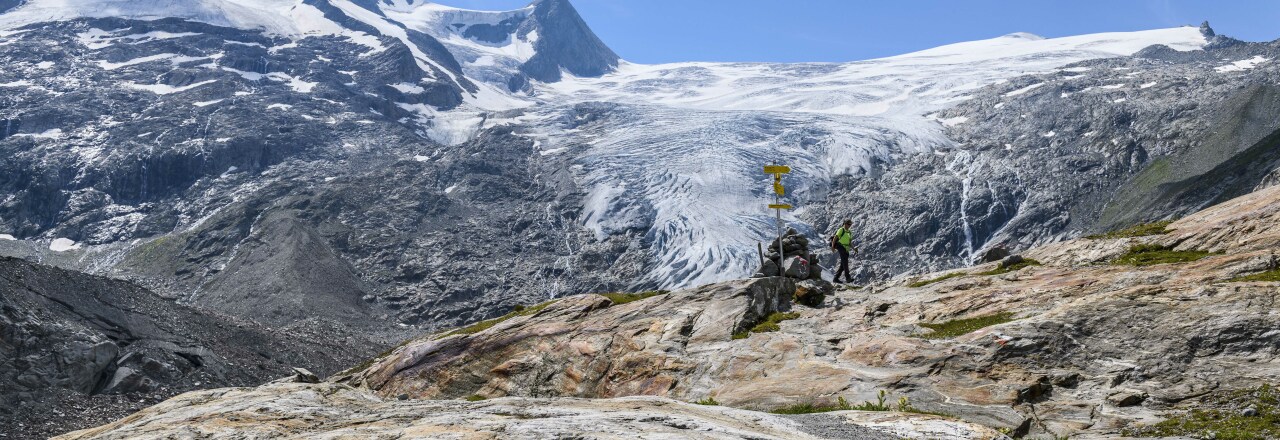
{"points": [[1023, 36], [1206, 30], [6, 5], [566, 42]]}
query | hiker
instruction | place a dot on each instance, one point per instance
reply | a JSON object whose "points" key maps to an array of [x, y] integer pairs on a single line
{"points": [[840, 242]]}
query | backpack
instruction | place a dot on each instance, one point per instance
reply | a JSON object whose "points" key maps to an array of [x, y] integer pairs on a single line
{"points": [[835, 239]]}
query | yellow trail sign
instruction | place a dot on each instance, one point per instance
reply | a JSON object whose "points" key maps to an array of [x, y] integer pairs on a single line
{"points": [[777, 169], [778, 206]]}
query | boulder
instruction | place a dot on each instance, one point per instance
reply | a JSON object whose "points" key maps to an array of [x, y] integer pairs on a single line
{"points": [[126, 379], [813, 292], [1127, 398], [769, 268], [815, 270], [1010, 261], [992, 255], [796, 267], [302, 375]]}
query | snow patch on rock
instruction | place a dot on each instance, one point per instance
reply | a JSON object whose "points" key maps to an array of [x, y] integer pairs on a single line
{"points": [[1241, 65], [165, 89], [63, 245]]}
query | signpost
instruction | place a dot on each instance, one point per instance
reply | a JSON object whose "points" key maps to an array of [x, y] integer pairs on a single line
{"points": [[778, 191]]}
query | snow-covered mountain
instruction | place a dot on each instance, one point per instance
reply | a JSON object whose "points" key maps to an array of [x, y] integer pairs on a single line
{"points": [[438, 165]]}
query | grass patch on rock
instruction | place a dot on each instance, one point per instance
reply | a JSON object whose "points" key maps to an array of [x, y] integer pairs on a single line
{"points": [[1010, 268], [958, 327], [1140, 230], [1224, 416], [489, 323], [710, 401], [1152, 254], [623, 298], [927, 282], [1270, 275], [881, 404], [475, 398], [769, 324]]}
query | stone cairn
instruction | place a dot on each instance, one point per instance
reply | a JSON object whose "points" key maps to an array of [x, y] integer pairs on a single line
{"points": [[797, 263]]}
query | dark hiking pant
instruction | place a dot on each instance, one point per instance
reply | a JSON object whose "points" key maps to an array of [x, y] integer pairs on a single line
{"points": [[844, 265]]}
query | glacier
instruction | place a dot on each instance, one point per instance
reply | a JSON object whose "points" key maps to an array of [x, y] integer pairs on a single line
{"points": [[683, 151], [670, 153]]}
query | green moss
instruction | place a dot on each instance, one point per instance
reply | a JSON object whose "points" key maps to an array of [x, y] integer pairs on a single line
{"points": [[487, 324], [623, 298], [957, 327], [769, 324], [475, 398], [923, 283], [810, 408], [1220, 417], [1011, 268], [1139, 230], [1270, 275], [710, 401], [1152, 254]]}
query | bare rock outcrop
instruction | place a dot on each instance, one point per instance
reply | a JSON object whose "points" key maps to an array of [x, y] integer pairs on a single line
{"points": [[330, 410]]}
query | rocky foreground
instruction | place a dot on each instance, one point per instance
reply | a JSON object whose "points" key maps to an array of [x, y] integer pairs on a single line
{"points": [[1078, 345], [339, 411]]}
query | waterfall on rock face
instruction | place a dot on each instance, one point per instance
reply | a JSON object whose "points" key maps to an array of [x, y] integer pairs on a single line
{"points": [[963, 159]]}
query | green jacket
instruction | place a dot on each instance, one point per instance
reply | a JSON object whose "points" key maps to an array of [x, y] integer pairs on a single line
{"points": [[844, 237]]}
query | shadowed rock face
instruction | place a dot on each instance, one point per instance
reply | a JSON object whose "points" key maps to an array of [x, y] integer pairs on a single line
{"points": [[565, 42], [1085, 332], [78, 350]]}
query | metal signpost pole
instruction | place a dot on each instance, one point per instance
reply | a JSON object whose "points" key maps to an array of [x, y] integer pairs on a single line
{"points": [[778, 191], [777, 202]]}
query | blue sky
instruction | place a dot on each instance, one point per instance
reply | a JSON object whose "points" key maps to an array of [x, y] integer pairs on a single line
{"points": [[659, 31]]}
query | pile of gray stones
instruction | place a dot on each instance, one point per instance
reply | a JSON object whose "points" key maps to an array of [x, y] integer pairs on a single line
{"points": [[799, 264]]}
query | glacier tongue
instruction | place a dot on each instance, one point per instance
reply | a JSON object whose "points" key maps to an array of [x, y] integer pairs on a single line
{"points": [[689, 181]]}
